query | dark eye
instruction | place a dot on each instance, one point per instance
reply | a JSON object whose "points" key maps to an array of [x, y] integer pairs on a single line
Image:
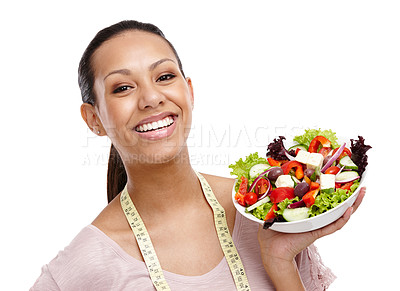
{"points": [[165, 77], [121, 89]]}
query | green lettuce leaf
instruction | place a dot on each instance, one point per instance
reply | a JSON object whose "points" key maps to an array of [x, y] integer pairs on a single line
{"points": [[284, 204], [327, 201], [310, 134], [242, 168], [261, 211]]}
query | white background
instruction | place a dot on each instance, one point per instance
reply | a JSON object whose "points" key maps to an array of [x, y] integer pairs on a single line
{"points": [[259, 69]]}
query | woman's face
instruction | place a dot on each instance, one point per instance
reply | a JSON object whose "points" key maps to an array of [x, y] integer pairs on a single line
{"points": [[143, 102]]}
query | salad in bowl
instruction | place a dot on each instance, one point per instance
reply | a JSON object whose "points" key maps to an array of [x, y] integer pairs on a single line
{"points": [[302, 187]]}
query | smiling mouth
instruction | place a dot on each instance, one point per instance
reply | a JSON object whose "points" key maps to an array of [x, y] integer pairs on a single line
{"points": [[156, 125]]}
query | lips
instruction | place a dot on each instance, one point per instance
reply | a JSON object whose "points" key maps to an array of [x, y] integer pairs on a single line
{"points": [[166, 121], [157, 126]]}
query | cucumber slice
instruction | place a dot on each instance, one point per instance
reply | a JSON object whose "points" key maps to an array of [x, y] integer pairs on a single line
{"points": [[258, 203], [347, 176], [348, 163], [295, 214], [256, 170], [299, 146]]}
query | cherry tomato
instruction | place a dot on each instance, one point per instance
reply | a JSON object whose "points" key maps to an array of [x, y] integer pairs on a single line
{"points": [[332, 170], [261, 186], [250, 198]]}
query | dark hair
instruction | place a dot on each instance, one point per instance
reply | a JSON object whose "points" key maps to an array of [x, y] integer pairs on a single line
{"points": [[116, 174]]}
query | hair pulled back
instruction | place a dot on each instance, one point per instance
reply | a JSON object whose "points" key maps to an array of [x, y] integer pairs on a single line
{"points": [[116, 174]]}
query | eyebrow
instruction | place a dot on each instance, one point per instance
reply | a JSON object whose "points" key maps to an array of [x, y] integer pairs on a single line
{"points": [[159, 62], [127, 72]]}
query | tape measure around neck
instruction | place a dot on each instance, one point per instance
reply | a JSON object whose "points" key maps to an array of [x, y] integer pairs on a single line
{"points": [[149, 254], [144, 242], [225, 239]]}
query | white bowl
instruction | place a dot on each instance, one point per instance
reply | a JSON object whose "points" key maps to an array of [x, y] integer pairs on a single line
{"points": [[307, 224]]}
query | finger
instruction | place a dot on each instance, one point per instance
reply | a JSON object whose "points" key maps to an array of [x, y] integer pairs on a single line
{"points": [[359, 199], [334, 226]]}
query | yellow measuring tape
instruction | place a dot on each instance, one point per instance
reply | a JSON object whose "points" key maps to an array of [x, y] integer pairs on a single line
{"points": [[149, 254]]}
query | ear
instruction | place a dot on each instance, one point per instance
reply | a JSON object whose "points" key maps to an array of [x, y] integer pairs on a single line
{"points": [[189, 82], [89, 115]]}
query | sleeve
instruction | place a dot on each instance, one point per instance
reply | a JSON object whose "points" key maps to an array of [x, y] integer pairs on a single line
{"points": [[45, 282], [314, 274]]}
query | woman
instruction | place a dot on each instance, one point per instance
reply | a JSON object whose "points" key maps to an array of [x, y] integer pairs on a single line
{"points": [[135, 92]]}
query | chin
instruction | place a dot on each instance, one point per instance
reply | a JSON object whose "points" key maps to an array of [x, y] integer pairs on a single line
{"points": [[167, 154], [159, 151]]}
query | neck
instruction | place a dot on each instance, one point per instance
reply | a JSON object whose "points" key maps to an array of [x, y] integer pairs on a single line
{"points": [[163, 187]]}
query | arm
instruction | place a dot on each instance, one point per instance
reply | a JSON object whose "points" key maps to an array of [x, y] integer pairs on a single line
{"points": [[278, 250], [45, 281], [284, 275]]}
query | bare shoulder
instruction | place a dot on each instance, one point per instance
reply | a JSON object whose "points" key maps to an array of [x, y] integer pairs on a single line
{"points": [[112, 222], [222, 188], [111, 218], [219, 181]]}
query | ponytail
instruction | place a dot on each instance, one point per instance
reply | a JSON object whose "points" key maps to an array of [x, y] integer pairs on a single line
{"points": [[116, 174]]}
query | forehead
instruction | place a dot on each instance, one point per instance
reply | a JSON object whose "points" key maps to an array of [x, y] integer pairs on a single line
{"points": [[131, 49]]}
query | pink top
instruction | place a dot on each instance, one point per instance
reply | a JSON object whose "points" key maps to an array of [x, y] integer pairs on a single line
{"points": [[93, 261]]}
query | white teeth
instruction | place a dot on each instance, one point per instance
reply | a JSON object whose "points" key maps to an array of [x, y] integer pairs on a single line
{"points": [[155, 125]]}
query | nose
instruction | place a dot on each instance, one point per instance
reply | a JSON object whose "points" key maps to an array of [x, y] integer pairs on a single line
{"points": [[150, 97]]}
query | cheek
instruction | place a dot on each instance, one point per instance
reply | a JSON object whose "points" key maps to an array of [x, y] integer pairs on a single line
{"points": [[188, 109], [181, 96], [116, 114], [112, 111], [185, 103]]}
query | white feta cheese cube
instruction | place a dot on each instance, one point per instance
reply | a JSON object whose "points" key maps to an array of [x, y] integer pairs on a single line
{"points": [[284, 181], [302, 156], [327, 181], [315, 161]]}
